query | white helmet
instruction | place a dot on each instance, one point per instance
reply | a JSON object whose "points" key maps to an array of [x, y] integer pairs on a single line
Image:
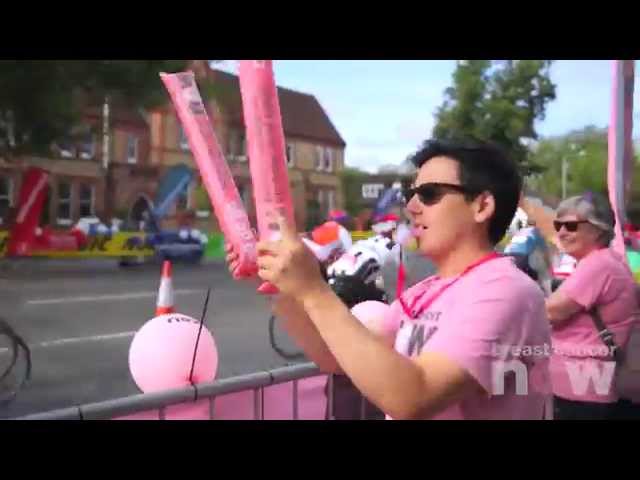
{"points": [[369, 254]]}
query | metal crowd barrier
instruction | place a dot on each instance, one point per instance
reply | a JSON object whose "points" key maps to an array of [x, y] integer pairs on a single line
{"points": [[162, 401], [158, 406]]}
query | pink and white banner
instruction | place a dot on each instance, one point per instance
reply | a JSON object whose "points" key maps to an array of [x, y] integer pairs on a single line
{"points": [[266, 146], [620, 164], [216, 175]]}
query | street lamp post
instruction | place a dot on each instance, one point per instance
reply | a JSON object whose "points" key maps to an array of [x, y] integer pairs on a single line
{"points": [[105, 134], [565, 167], [564, 177], [106, 153]]}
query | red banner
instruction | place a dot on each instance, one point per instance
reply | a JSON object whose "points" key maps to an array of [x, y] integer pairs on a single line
{"points": [[30, 204]]}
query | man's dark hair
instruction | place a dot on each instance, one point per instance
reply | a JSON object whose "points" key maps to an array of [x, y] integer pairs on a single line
{"points": [[481, 167]]}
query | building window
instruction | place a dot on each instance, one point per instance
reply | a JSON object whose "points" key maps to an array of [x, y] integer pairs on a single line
{"points": [[331, 200], [321, 202], [319, 158], [64, 203], [132, 149], [290, 155], [182, 140], [372, 190], [328, 159], [6, 198], [87, 199]]}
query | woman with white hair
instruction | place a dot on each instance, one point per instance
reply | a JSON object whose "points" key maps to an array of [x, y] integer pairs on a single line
{"points": [[599, 296]]}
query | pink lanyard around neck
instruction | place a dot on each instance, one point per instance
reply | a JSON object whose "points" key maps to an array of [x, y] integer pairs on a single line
{"points": [[409, 311]]}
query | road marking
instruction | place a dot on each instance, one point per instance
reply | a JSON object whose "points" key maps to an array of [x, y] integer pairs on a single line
{"points": [[107, 298], [67, 341]]}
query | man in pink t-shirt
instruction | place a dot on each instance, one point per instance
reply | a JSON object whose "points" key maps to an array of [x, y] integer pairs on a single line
{"points": [[470, 341], [486, 321]]}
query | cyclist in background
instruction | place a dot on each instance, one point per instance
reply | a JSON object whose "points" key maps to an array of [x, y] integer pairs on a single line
{"points": [[531, 253]]}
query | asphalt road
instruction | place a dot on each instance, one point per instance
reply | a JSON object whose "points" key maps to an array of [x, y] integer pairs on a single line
{"points": [[79, 320]]}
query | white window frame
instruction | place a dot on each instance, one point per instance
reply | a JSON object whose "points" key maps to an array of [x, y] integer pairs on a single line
{"points": [[9, 195], [321, 199], [290, 154], [60, 220], [92, 200], [327, 160], [132, 160], [331, 200], [372, 191], [319, 160]]}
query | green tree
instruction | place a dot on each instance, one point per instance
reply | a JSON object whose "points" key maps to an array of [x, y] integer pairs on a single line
{"points": [[41, 101], [314, 215], [498, 102], [584, 153], [352, 179]]}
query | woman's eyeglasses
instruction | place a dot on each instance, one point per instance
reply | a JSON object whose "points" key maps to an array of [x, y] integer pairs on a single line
{"points": [[570, 226], [432, 193]]}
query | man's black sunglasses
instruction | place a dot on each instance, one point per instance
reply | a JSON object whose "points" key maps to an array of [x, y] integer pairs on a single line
{"points": [[431, 193], [571, 225]]}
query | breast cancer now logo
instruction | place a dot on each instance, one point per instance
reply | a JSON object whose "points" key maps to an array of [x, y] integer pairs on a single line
{"points": [[534, 377]]}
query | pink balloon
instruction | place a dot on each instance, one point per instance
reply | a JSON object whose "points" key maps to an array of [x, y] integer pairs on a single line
{"points": [[374, 315], [161, 353]]}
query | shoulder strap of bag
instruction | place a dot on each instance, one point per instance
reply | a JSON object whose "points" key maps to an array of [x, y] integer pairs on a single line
{"points": [[605, 335]]}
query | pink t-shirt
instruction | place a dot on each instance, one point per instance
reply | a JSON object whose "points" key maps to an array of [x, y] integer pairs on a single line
{"points": [[601, 278], [491, 320]]}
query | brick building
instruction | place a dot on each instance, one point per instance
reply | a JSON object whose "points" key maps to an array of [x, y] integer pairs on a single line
{"points": [[143, 145]]}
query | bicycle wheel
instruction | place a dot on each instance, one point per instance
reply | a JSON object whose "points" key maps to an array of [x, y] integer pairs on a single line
{"points": [[15, 363]]}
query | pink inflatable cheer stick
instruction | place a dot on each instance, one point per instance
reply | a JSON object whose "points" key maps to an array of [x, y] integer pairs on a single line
{"points": [[214, 170], [267, 157], [620, 145]]}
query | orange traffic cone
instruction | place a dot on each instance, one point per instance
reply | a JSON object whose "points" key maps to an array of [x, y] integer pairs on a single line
{"points": [[165, 292]]}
